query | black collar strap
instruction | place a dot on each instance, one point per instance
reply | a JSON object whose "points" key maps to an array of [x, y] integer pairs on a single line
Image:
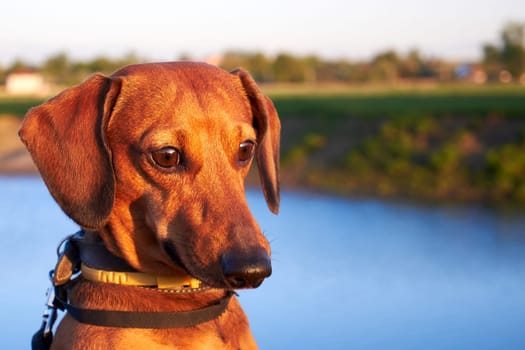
{"points": [[156, 320]]}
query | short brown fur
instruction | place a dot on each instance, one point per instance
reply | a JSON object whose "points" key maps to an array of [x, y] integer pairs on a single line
{"points": [[93, 145]]}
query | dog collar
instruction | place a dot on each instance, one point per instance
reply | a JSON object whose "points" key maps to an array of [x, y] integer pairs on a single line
{"points": [[67, 271], [140, 279], [97, 264]]}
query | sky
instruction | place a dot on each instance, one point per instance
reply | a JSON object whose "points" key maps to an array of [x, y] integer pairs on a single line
{"points": [[33, 30]]}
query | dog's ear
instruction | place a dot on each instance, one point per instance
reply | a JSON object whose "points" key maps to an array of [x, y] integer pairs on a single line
{"points": [[66, 138], [268, 129]]}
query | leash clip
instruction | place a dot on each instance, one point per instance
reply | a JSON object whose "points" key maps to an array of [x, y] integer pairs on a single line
{"points": [[50, 312]]}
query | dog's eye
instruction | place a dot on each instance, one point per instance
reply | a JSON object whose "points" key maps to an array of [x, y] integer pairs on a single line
{"points": [[167, 157], [246, 150]]}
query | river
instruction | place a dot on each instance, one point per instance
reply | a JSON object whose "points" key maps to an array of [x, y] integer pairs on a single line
{"points": [[347, 273]]}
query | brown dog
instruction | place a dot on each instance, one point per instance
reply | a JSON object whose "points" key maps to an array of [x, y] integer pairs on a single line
{"points": [[152, 159]]}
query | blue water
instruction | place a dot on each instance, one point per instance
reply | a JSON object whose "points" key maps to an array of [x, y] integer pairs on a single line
{"points": [[348, 274]]}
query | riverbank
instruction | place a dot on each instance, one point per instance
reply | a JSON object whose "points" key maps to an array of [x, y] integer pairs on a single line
{"points": [[14, 158], [448, 144]]}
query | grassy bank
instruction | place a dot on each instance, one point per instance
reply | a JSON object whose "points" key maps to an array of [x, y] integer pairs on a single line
{"points": [[447, 143], [17, 106], [452, 143]]}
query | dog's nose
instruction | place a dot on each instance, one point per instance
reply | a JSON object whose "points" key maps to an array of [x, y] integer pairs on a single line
{"points": [[247, 269]]}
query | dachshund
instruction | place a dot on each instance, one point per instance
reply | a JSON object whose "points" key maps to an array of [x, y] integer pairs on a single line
{"points": [[152, 161]]}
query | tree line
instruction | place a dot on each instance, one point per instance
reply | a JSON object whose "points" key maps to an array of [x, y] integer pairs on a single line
{"points": [[506, 56]]}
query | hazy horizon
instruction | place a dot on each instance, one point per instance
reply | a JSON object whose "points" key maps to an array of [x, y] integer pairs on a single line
{"points": [[33, 30]]}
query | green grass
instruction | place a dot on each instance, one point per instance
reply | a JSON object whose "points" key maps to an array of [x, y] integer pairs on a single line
{"points": [[358, 106], [340, 101], [17, 106], [475, 102], [408, 89]]}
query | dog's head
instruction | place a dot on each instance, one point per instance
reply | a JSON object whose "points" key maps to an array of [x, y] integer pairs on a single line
{"points": [[154, 158]]}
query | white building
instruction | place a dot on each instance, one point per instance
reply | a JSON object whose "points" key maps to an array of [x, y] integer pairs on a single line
{"points": [[25, 83]]}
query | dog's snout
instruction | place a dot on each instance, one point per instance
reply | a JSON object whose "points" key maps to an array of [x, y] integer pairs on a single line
{"points": [[246, 270]]}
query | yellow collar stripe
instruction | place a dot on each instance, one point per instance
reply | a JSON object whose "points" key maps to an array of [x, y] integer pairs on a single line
{"points": [[140, 279]]}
